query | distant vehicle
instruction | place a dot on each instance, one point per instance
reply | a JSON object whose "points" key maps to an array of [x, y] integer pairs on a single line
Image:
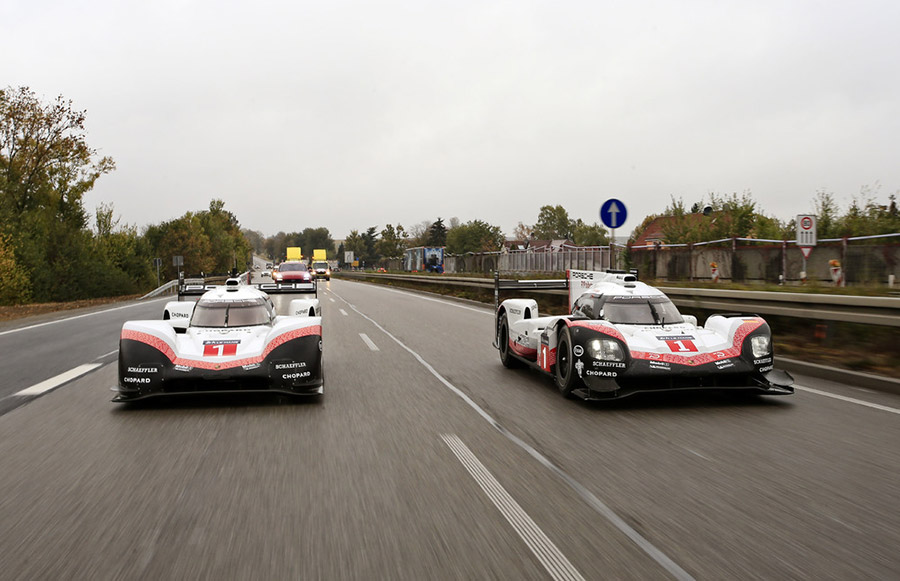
{"points": [[321, 270], [624, 336], [293, 271], [230, 340]]}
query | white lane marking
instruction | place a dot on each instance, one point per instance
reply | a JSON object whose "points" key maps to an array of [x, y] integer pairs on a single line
{"points": [[452, 304], [60, 379], [369, 342], [343, 312], [698, 454], [331, 299], [543, 548], [664, 561], [108, 354], [849, 399], [487, 311], [75, 317]]}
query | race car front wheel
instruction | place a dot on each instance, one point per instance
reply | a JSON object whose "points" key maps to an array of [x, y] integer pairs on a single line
{"points": [[564, 372], [506, 358]]}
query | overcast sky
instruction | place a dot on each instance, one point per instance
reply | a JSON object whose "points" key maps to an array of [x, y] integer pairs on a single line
{"points": [[350, 114]]}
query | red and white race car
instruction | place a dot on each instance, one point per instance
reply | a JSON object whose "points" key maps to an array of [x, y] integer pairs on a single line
{"points": [[624, 336], [230, 340]]}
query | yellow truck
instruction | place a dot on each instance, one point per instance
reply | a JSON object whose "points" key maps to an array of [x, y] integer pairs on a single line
{"points": [[320, 265]]}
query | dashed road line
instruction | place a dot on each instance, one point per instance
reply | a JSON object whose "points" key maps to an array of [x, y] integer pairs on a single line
{"points": [[589, 497], [60, 379], [540, 544], [849, 399], [343, 312], [369, 342]]}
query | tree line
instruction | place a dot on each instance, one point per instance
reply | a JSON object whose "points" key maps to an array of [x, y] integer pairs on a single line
{"points": [[728, 216], [49, 251]]}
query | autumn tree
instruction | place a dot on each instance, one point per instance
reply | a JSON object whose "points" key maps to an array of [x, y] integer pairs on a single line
{"points": [[14, 285], [46, 168]]}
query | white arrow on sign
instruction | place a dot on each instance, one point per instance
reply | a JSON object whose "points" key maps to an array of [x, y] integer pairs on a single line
{"points": [[614, 212]]}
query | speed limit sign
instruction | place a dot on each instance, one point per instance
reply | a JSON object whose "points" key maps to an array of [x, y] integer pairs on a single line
{"points": [[806, 230]]}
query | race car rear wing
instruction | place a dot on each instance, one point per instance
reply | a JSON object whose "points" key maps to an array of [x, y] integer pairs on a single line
{"points": [[197, 288], [576, 280], [534, 284]]}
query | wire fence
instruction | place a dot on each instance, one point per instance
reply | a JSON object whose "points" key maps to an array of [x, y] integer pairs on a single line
{"points": [[856, 260]]}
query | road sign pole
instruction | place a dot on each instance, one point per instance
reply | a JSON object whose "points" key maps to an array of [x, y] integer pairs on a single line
{"points": [[613, 214], [614, 263]]}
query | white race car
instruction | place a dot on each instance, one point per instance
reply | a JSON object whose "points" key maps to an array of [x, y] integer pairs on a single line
{"points": [[230, 340], [624, 336]]}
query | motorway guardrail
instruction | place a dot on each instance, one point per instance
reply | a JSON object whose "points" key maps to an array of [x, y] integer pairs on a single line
{"points": [[883, 311]]}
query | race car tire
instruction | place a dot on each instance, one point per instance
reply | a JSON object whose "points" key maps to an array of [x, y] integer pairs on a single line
{"points": [[564, 372], [506, 358]]}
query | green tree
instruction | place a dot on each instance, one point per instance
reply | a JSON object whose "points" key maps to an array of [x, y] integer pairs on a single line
{"points": [[123, 253], [392, 242], [313, 238], [227, 244], [553, 224], [355, 244], [437, 234], [589, 234], [182, 237], [474, 236], [370, 238]]}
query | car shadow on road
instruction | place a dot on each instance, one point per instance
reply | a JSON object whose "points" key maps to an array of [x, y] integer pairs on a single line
{"points": [[220, 401], [691, 400]]}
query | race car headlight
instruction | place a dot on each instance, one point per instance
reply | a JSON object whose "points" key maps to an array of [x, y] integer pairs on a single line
{"points": [[760, 345], [606, 349]]}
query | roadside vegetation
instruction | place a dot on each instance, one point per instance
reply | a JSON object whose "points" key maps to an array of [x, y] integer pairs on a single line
{"points": [[53, 249]]}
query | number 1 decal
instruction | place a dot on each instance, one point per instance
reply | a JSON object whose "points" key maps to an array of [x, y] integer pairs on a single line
{"points": [[219, 349], [681, 346]]}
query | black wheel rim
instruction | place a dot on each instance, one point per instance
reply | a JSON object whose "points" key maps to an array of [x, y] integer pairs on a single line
{"points": [[504, 339], [563, 362]]}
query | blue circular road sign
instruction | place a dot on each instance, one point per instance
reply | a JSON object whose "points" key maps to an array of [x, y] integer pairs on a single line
{"points": [[613, 213]]}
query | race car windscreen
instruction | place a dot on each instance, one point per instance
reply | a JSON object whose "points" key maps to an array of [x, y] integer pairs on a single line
{"points": [[287, 266], [641, 310], [244, 313]]}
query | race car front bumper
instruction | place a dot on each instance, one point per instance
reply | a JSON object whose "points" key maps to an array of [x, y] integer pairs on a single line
{"points": [[640, 378], [294, 368]]}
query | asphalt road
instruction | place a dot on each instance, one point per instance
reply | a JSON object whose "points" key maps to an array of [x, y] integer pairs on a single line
{"points": [[429, 460]]}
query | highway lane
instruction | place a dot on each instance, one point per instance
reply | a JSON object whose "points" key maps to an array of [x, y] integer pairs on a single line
{"points": [[366, 486], [779, 487], [41, 348]]}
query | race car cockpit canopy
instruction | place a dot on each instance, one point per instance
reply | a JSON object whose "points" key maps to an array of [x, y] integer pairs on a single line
{"points": [[627, 309], [244, 312]]}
